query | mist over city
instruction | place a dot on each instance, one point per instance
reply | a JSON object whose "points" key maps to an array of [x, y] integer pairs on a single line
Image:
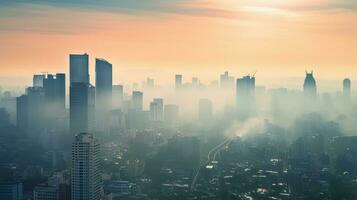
{"points": [[179, 100]]}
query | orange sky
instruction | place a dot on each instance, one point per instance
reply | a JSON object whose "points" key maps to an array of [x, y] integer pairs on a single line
{"points": [[198, 37]]}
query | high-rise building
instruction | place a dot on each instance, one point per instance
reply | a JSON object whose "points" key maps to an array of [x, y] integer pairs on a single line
{"points": [[79, 68], [104, 82], [137, 101], [37, 80], [86, 169], [79, 84], [11, 190], [103, 100], [55, 95], [118, 95], [204, 109], [347, 88], [245, 95], [78, 107], [178, 81], [157, 109], [310, 89]]}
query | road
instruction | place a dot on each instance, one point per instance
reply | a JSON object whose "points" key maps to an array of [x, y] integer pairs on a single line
{"points": [[211, 156]]}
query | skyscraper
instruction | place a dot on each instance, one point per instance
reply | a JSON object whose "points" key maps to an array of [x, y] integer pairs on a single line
{"points": [[245, 95], [78, 68], [79, 84], [178, 81], [55, 97], [204, 109], [347, 88], [86, 170], [103, 100], [78, 107], [55, 91], [104, 82], [137, 101], [310, 85]]}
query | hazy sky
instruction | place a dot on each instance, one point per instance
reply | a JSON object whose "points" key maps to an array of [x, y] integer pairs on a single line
{"points": [[199, 37]]}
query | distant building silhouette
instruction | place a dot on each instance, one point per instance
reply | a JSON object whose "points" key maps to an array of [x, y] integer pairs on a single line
{"points": [[157, 109], [310, 89], [226, 81], [137, 101], [245, 96], [347, 88], [150, 83], [178, 81], [86, 169]]}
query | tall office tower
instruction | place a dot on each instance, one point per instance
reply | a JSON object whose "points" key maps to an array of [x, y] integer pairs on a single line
{"points": [[137, 101], [30, 110], [118, 95], [11, 190], [86, 170], [103, 100], [245, 98], [347, 88], [178, 81], [171, 114], [78, 116], [55, 94], [78, 68], [310, 85], [226, 81], [45, 192], [205, 110], [37, 80], [157, 110], [79, 84]]}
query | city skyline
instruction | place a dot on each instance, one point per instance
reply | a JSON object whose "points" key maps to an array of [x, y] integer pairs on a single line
{"points": [[298, 36]]}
